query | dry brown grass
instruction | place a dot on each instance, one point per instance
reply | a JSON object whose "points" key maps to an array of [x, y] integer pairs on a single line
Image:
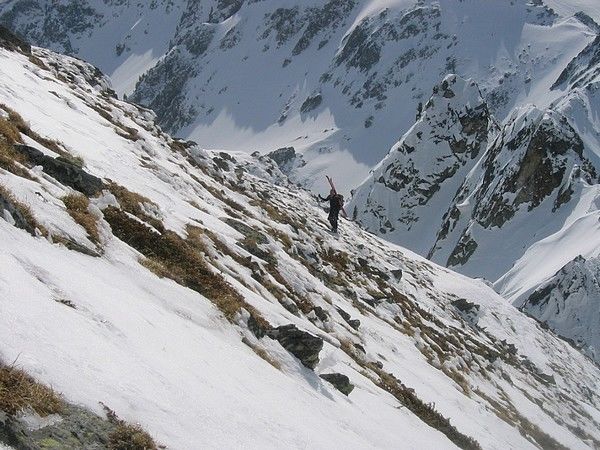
{"points": [[9, 133], [132, 203], [77, 207], [127, 436], [262, 353], [220, 195], [130, 437], [426, 412], [38, 62], [19, 391], [10, 159], [169, 255]]}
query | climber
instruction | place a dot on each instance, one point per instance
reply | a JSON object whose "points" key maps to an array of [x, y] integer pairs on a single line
{"points": [[336, 203]]}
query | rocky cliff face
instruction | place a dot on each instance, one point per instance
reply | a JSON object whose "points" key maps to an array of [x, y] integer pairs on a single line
{"points": [[534, 165], [569, 303], [407, 192], [324, 77]]}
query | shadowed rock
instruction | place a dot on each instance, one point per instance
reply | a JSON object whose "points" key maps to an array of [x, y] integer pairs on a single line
{"points": [[10, 41], [63, 171], [301, 344], [20, 221], [354, 323], [339, 381]]}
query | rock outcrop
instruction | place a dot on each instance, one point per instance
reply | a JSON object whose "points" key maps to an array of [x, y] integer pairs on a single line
{"points": [[64, 171], [339, 381], [301, 344]]}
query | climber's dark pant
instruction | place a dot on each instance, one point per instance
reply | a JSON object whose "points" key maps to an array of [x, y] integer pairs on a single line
{"points": [[333, 219]]}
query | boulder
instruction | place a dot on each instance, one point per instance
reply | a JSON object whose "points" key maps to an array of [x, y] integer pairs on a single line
{"points": [[354, 323], [301, 344], [339, 381], [63, 171]]}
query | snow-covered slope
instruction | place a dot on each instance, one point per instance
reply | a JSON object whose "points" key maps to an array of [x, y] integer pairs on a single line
{"points": [[468, 194], [570, 304], [162, 280], [407, 194], [123, 38], [514, 211], [339, 81]]}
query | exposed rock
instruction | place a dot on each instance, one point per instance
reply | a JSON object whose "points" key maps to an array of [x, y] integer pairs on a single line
{"points": [[463, 251], [256, 328], [311, 103], [397, 273], [569, 304], [240, 226], [452, 132], [283, 156], [321, 314], [354, 323], [20, 221], [301, 344], [339, 381], [469, 311], [10, 41], [77, 247], [322, 21], [74, 428], [63, 171]]}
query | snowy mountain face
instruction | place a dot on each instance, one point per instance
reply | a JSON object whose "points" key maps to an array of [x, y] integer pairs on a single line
{"points": [[458, 188], [329, 86], [339, 81], [569, 304], [440, 150], [193, 287], [515, 210], [512, 202]]}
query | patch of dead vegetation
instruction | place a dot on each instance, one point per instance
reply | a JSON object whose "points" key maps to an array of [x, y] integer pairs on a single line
{"points": [[220, 195], [78, 208], [262, 353], [169, 255], [10, 159], [426, 412], [134, 204], [127, 436], [130, 437], [19, 391]]}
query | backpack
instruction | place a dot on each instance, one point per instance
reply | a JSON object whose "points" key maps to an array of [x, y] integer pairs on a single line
{"points": [[339, 201]]}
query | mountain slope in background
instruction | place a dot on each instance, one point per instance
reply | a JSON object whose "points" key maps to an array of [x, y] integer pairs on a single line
{"points": [[569, 304], [512, 202], [199, 294], [337, 80]]}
